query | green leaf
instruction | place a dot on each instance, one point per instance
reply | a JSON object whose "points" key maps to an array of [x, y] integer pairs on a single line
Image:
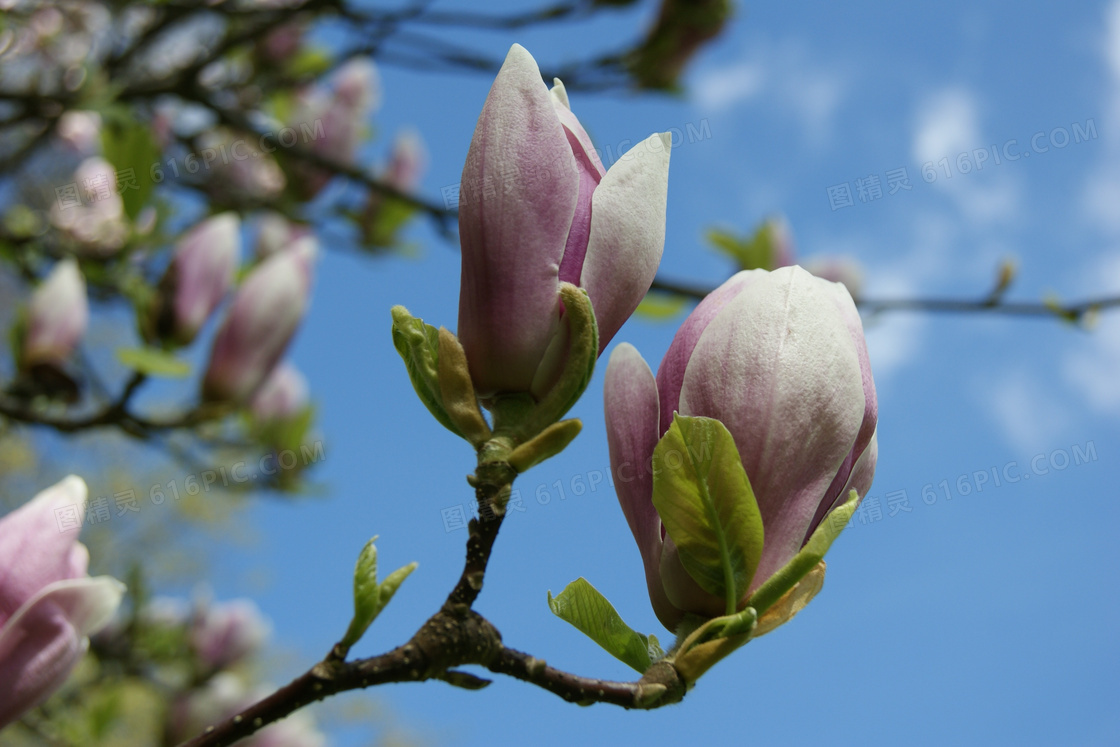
{"points": [[661, 306], [418, 345], [380, 227], [129, 146], [548, 443], [806, 560], [309, 61], [153, 362], [367, 593], [706, 503], [583, 606], [750, 253], [583, 351], [370, 597]]}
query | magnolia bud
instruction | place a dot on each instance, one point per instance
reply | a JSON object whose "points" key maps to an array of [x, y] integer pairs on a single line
{"points": [[57, 316], [282, 396], [780, 360], [223, 634], [261, 321], [555, 216], [196, 281]]}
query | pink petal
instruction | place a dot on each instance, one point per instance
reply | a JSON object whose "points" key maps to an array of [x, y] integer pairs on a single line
{"points": [[627, 234], [837, 493], [630, 400], [205, 263], [42, 642], [265, 313], [58, 314], [38, 543], [682, 590], [670, 376], [590, 174], [859, 476], [519, 192]]}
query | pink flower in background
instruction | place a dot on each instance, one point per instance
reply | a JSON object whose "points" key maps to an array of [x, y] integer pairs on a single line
{"points": [[537, 209], [57, 316], [282, 396], [80, 130], [275, 232], [201, 273], [844, 270], [48, 603], [262, 319], [407, 162], [97, 221], [779, 358], [225, 633]]}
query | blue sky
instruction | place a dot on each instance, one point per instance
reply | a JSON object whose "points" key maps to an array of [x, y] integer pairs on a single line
{"points": [[984, 614]]}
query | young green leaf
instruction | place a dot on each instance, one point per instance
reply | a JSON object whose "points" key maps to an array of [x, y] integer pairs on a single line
{"points": [[661, 306], [548, 443], [367, 594], [584, 607], [706, 503], [129, 146], [370, 597], [393, 581], [153, 362], [418, 345]]}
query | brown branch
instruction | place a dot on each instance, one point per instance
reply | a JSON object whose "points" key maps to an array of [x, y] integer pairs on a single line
{"points": [[116, 414], [1073, 312], [454, 636]]}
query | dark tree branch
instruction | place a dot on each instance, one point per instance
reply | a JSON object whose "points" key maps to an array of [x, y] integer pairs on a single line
{"points": [[454, 636], [115, 414], [1073, 312]]}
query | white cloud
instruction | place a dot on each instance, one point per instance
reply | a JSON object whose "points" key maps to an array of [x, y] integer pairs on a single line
{"points": [[719, 88], [1101, 192], [1029, 415], [946, 124], [782, 78], [1095, 370]]}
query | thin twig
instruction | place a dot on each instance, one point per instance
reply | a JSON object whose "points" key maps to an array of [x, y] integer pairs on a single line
{"points": [[1073, 312]]}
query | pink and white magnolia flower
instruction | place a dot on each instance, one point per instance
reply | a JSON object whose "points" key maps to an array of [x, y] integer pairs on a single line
{"points": [[81, 131], [57, 316], [780, 359], [275, 233], [98, 225], [538, 209], [283, 395], [201, 273], [838, 269], [264, 316], [224, 633], [48, 604], [406, 162]]}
